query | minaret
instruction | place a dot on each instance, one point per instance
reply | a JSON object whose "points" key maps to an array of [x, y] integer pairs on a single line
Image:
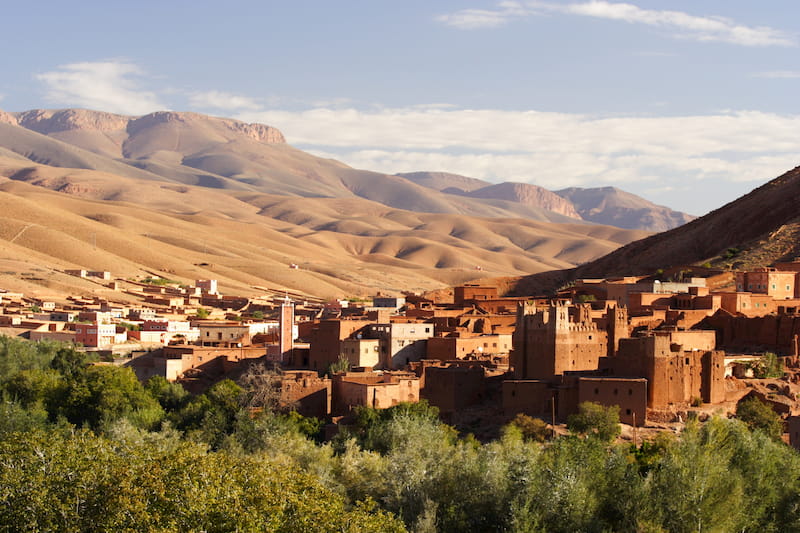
{"points": [[286, 330]]}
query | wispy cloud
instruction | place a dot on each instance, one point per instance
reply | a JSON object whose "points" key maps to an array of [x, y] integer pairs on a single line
{"points": [[219, 100], [690, 26], [554, 150], [681, 24], [778, 74], [113, 86], [470, 19]]}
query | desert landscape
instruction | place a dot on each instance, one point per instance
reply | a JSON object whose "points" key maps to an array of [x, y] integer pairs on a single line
{"points": [[187, 196]]}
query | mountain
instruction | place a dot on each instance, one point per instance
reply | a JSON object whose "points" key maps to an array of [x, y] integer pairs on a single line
{"points": [[187, 197], [527, 194], [614, 207], [195, 149], [445, 181], [602, 205], [755, 230]]}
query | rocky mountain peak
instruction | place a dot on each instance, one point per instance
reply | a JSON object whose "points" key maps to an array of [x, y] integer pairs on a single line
{"points": [[258, 132], [48, 121], [7, 118]]}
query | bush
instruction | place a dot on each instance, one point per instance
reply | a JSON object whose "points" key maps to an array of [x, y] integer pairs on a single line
{"points": [[758, 416], [532, 428], [595, 421]]}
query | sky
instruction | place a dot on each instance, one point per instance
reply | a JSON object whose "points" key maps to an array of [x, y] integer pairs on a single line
{"points": [[689, 104]]}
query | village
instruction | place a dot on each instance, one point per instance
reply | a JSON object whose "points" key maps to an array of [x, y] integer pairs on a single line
{"points": [[692, 342]]}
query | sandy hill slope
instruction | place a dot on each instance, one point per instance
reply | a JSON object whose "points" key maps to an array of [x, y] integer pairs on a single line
{"points": [[614, 207], [755, 230], [445, 181], [54, 218], [195, 149]]}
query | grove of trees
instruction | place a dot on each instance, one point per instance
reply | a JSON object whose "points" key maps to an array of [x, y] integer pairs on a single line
{"points": [[88, 448]]}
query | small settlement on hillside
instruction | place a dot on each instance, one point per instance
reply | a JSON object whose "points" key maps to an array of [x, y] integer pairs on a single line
{"points": [[656, 349]]}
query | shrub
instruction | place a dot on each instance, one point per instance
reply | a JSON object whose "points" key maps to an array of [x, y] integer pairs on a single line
{"points": [[532, 428], [595, 421], [759, 416]]}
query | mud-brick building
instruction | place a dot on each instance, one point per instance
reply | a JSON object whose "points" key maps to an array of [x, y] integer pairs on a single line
{"points": [[560, 338], [306, 392], [562, 356], [675, 375], [373, 389], [453, 388], [326, 336]]}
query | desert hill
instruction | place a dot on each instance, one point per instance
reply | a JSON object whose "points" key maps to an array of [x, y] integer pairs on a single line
{"points": [[755, 230], [55, 218], [614, 207], [445, 181], [195, 149]]}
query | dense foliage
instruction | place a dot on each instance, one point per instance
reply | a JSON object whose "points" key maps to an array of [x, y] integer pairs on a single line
{"points": [[88, 448]]}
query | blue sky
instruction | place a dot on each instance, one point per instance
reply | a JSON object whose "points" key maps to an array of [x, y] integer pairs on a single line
{"points": [[689, 104]]}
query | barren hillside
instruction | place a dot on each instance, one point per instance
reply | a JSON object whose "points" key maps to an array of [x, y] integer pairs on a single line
{"points": [[755, 230], [56, 218]]}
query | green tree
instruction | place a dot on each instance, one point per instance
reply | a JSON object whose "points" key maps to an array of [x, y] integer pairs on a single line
{"points": [[171, 396], [341, 365], [532, 428], [202, 313], [596, 421], [759, 416], [107, 394]]}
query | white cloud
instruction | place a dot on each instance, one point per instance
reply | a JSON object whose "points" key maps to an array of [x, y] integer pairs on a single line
{"points": [[778, 74], [554, 150], [698, 28], [683, 25], [106, 85], [222, 101], [470, 19]]}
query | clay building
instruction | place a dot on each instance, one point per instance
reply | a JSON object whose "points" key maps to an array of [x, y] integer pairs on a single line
{"points": [[459, 347], [453, 388], [400, 343], [629, 394], [562, 356], [325, 338], [306, 392], [774, 332], [372, 389], [97, 335], [549, 342], [222, 334], [777, 284], [529, 396], [361, 352], [676, 374], [472, 293]]}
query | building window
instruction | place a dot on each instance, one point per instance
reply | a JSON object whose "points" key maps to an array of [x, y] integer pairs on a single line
{"points": [[596, 391], [427, 330], [687, 360]]}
